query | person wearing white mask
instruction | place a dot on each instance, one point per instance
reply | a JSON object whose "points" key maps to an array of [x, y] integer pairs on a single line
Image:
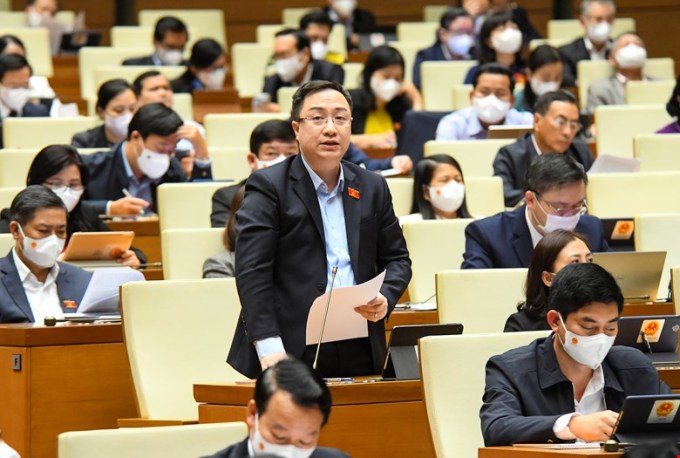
{"points": [[116, 103], [543, 75], [291, 404], [295, 66], [555, 198], [570, 385], [317, 25], [628, 57], [356, 20], [170, 37], [597, 17], [207, 68], [38, 12], [15, 73], [492, 99], [123, 180], [33, 285], [556, 124]]}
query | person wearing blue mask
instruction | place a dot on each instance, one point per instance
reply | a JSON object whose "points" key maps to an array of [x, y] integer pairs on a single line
{"points": [[570, 385]]}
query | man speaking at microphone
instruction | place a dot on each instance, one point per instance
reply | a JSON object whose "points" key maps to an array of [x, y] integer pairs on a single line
{"points": [[299, 220]]}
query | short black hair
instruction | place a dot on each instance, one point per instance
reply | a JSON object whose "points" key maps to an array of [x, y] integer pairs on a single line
{"points": [[138, 83], [551, 170], [156, 119], [316, 16], [204, 52], [423, 176], [53, 159], [169, 24], [673, 106], [301, 40], [543, 102], [494, 68], [10, 62], [577, 285], [111, 89], [8, 39], [268, 131], [312, 87], [31, 199], [450, 15], [304, 384]]}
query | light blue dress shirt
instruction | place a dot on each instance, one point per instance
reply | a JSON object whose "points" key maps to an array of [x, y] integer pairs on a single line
{"points": [[137, 188], [464, 124]]}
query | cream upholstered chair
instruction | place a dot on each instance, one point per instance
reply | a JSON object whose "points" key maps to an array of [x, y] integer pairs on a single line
{"points": [[408, 50], [130, 72], [14, 165], [474, 156], [401, 189], [675, 288], [186, 205], [183, 104], [617, 125], [352, 74], [440, 78], [185, 250], [152, 442], [432, 13], [264, 33], [249, 64], [423, 32], [648, 92], [39, 132], [6, 243], [657, 152], [37, 43], [285, 98], [230, 163], [481, 299], [554, 42], [461, 96], [290, 17], [453, 398], [208, 23], [169, 353], [7, 194], [433, 245], [484, 196], [92, 57], [141, 38], [234, 129], [659, 232], [571, 29]]}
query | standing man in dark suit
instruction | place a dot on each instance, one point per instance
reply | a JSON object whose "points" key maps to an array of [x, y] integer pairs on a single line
{"points": [[298, 221], [33, 285], [170, 37], [556, 123], [555, 195], [295, 66], [597, 17], [356, 20]]}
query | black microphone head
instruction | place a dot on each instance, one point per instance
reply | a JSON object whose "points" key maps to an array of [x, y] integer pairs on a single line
{"points": [[50, 321]]}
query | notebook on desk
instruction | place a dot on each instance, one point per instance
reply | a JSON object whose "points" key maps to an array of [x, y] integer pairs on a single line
{"points": [[638, 273], [649, 418], [660, 331]]}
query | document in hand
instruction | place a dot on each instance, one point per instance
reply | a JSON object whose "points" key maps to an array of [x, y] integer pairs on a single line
{"points": [[607, 163], [343, 322], [101, 296]]}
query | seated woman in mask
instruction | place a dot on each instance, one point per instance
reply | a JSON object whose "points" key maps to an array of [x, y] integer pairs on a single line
{"points": [[543, 74], [207, 68]]}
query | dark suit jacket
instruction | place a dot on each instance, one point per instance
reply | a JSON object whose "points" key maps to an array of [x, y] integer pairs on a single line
{"points": [[322, 70], [186, 83], [240, 450], [14, 307], [91, 138], [221, 204], [281, 256], [572, 53], [512, 161], [144, 61], [31, 110], [504, 241], [396, 108], [526, 392], [363, 21], [523, 321]]}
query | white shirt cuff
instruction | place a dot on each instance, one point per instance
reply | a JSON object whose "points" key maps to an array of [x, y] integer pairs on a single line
{"points": [[108, 207], [269, 346], [561, 427]]}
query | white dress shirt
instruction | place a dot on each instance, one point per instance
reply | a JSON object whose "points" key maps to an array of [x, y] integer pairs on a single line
{"points": [[591, 402], [42, 297]]}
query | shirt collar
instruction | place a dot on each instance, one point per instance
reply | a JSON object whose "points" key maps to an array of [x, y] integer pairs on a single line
{"points": [[308, 74], [533, 140], [317, 181], [24, 272], [156, 60], [620, 78], [126, 164], [4, 111], [535, 235], [591, 48]]}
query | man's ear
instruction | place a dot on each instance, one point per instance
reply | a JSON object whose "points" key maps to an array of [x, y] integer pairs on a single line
{"points": [[251, 413], [553, 319], [14, 230], [252, 161]]}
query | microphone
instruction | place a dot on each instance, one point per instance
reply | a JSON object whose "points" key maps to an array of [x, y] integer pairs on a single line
{"points": [[334, 271], [52, 321], [644, 338]]}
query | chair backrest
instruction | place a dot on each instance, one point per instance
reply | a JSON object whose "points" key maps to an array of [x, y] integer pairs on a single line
{"points": [[337, 41], [417, 128], [648, 92], [352, 74], [401, 189], [37, 43], [249, 63], [234, 129], [453, 372], [186, 205], [6, 243], [617, 125], [185, 250], [432, 13], [230, 163], [14, 165], [285, 98], [183, 104], [464, 296], [474, 156], [439, 79], [571, 29], [554, 42], [484, 195], [40, 132], [92, 57], [131, 72], [169, 353], [264, 33], [616, 195], [290, 17], [408, 50], [657, 153], [151, 442], [7, 194], [423, 32], [434, 245], [209, 23], [461, 96], [659, 232], [141, 38], [675, 288]]}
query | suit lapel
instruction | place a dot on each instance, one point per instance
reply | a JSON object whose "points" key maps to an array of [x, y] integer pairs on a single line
{"points": [[64, 292], [14, 287], [521, 237], [303, 187], [351, 203]]}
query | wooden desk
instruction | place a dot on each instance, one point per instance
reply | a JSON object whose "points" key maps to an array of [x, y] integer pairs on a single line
{"points": [[517, 452], [367, 420], [656, 308], [62, 378], [670, 375]]}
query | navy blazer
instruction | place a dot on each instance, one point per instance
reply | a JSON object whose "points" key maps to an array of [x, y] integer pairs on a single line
{"points": [[321, 70], [526, 392], [92, 138], [240, 450], [281, 262], [72, 283], [504, 241]]}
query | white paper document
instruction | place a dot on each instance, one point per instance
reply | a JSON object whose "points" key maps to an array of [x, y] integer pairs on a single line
{"points": [[607, 163], [343, 321], [101, 295]]}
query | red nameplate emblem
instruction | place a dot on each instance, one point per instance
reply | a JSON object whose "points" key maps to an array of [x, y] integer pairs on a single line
{"points": [[353, 192], [70, 304]]}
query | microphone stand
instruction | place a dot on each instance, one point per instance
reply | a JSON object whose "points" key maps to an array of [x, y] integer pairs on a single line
{"points": [[334, 271]]}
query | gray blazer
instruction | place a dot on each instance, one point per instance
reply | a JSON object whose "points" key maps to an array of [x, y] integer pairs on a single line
{"points": [[219, 266], [605, 91]]}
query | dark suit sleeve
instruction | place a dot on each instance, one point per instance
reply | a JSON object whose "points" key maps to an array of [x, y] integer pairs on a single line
{"points": [[78, 140], [569, 69], [202, 170], [476, 255], [337, 74], [357, 156], [220, 208], [271, 86], [503, 167], [420, 58]]}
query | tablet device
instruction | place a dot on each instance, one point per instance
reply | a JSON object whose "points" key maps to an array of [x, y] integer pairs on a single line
{"points": [[638, 273], [649, 418], [660, 332], [89, 246]]}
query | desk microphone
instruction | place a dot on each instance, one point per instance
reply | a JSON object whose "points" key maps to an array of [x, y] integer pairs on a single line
{"points": [[52, 321], [325, 315], [644, 338]]}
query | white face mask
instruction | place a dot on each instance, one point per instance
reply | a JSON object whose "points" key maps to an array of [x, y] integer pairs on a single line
{"points": [[543, 87], [262, 447], [631, 56], [344, 8], [118, 125], [490, 109], [213, 79], [587, 350], [169, 56], [447, 198], [34, 18], [265, 164], [15, 98], [509, 41], [555, 222], [460, 45], [385, 89], [289, 68], [599, 33], [319, 50], [153, 164], [68, 196], [42, 252]]}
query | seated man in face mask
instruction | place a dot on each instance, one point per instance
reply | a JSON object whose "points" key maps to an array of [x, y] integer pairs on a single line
{"points": [[124, 179], [571, 384], [555, 196], [33, 285], [15, 73], [170, 37], [492, 99], [317, 25]]}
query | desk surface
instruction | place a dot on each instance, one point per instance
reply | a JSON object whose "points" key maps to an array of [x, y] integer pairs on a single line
{"points": [[517, 452], [35, 335]]}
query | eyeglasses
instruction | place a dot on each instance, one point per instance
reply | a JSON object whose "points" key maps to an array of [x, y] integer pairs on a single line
{"points": [[555, 209], [338, 120], [59, 188], [561, 122]]}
